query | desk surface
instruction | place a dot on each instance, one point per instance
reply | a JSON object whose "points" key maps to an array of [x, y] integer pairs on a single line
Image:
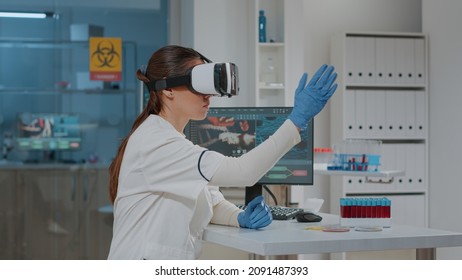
{"points": [[291, 237]]}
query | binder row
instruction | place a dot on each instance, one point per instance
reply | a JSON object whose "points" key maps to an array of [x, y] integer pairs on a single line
{"points": [[385, 114], [410, 157], [384, 61]]}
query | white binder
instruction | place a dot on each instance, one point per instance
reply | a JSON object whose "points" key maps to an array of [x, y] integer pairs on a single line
{"points": [[400, 113], [371, 116], [404, 58], [401, 164], [360, 113], [419, 54], [420, 160], [360, 49], [411, 178], [410, 113], [380, 114], [349, 113], [368, 60], [421, 120], [350, 60], [395, 114], [385, 61], [390, 118]]}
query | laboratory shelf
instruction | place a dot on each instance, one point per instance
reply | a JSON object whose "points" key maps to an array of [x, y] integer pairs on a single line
{"points": [[321, 169]]}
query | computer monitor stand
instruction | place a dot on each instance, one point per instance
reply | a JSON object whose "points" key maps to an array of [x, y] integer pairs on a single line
{"points": [[279, 195], [252, 192]]}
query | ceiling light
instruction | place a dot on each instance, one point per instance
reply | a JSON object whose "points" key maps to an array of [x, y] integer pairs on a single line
{"points": [[39, 15]]}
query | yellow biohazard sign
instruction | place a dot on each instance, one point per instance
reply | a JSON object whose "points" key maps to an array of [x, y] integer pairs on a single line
{"points": [[105, 59]]}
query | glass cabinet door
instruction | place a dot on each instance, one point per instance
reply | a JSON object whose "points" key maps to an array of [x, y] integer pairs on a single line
{"points": [[59, 132], [51, 109]]}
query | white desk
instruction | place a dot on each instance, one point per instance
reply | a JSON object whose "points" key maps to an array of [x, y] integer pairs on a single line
{"points": [[291, 237]]}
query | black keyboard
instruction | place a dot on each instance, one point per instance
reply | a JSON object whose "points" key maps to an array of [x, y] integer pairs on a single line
{"points": [[280, 212]]}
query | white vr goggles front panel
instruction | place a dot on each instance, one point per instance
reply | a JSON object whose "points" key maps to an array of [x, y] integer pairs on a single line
{"points": [[225, 81]]}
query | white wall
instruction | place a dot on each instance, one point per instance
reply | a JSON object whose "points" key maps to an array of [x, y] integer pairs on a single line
{"points": [[442, 23], [327, 17], [221, 34]]}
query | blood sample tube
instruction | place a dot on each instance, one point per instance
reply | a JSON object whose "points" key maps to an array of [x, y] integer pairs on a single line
{"points": [[348, 209], [374, 208], [353, 208], [368, 208], [387, 208], [379, 208], [363, 208]]}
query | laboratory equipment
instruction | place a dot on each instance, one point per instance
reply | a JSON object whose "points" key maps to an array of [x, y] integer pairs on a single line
{"points": [[48, 133], [262, 27], [356, 155], [365, 211]]}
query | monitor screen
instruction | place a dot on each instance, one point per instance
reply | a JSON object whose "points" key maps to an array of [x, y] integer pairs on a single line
{"points": [[48, 131], [235, 131]]}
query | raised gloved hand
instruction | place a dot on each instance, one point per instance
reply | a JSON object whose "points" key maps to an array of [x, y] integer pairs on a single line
{"points": [[256, 215], [310, 99]]}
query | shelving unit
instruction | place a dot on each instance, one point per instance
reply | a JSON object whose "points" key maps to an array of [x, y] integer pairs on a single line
{"points": [[382, 95], [273, 84], [270, 55]]}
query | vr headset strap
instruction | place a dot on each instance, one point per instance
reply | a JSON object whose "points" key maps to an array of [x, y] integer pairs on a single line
{"points": [[170, 83]]}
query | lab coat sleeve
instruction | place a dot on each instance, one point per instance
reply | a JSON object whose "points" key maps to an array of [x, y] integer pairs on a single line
{"points": [[216, 195], [225, 213], [250, 167]]}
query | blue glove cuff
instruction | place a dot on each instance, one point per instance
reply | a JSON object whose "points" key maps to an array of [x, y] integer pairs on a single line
{"points": [[241, 219], [299, 121]]}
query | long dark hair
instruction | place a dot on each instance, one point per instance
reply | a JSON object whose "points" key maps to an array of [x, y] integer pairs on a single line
{"points": [[169, 61]]}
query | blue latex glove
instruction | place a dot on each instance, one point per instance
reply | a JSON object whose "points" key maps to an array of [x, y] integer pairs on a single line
{"points": [[310, 99], [256, 215]]}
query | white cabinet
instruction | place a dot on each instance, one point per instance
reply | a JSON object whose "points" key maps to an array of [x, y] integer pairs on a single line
{"points": [[383, 95]]}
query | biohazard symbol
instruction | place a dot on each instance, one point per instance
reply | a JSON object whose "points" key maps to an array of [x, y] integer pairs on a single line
{"points": [[106, 55]]}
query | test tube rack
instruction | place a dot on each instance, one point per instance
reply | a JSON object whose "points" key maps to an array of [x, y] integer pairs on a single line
{"points": [[365, 211], [356, 155]]}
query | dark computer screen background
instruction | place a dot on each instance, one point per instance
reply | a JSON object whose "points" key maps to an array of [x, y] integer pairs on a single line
{"points": [[234, 131]]}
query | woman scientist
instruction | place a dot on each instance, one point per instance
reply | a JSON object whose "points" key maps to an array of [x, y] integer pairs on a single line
{"points": [[164, 188]]}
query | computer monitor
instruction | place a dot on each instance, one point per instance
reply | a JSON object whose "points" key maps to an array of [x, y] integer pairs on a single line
{"points": [[48, 132], [234, 131]]}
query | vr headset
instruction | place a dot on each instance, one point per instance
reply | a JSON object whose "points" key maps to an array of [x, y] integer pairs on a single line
{"points": [[216, 79]]}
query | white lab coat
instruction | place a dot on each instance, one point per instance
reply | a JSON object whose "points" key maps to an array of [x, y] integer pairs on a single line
{"points": [[163, 202]]}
